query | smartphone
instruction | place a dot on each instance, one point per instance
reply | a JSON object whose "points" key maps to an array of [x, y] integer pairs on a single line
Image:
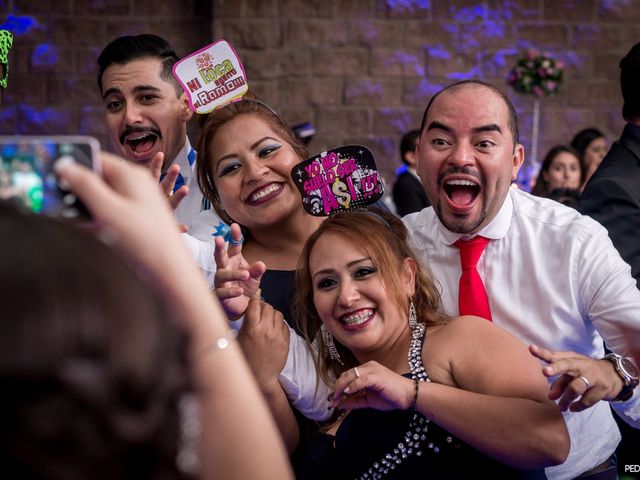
{"points": [[27, 176]]}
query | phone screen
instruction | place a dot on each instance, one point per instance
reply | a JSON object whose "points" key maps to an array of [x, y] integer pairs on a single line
{"points": [[27, 176]]}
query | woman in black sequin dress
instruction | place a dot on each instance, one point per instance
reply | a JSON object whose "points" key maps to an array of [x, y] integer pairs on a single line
{"points": [[422, 394]]}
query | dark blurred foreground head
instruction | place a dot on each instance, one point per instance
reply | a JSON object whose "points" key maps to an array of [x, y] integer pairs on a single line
{"points": [[92, 367]]}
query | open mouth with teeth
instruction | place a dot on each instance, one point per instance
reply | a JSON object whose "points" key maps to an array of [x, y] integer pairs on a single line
{"points": [[264, 193], [357, 319], [141, 144], [461, 192]]}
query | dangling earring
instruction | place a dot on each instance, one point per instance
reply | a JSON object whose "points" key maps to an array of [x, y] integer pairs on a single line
{"points": [[413, 318], [331, 346]]}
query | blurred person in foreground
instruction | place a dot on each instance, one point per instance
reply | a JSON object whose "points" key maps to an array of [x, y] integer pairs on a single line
{"points": [[101, 344]]}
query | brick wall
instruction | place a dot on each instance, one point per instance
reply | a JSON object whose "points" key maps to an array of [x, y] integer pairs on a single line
{"points": [[53, 84], [361, 70]]}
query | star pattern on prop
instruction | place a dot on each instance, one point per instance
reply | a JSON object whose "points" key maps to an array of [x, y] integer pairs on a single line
{"points": [[223, 230]]}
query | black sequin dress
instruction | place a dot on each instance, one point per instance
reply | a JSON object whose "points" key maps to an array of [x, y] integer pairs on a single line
{"points": [[368, 437]]}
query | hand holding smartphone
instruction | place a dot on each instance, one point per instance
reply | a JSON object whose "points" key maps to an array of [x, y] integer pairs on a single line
{"points": [[27, 176]]}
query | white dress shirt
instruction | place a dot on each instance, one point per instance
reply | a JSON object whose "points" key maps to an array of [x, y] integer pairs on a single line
{"points": [[553, 278], [194, 211]]}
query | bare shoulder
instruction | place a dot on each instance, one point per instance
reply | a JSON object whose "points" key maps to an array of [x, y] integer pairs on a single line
{"points": [[468, 336], [483, 357], [450, 344], [459, 329]]}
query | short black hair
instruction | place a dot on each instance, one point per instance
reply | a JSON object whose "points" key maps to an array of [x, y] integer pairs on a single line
{"points": [[513, 116], [565, 196], [408, 143], [125, 49], [629, 81]]}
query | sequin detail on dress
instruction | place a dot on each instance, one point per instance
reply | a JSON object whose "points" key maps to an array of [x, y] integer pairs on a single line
{"points": [[412, 442]]}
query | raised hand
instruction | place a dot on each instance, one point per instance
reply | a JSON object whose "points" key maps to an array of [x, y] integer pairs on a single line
{"points": [[169, 181], [126, 204], [128, 207], [371, 385], [264, 338], [235, 281], [582, 381]]}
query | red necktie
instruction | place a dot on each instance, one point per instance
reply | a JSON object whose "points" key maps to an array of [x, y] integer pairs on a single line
{"points": [[472, 297]]}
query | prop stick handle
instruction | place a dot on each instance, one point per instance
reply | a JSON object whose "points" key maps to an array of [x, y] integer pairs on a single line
{"points": [[534, 134]]}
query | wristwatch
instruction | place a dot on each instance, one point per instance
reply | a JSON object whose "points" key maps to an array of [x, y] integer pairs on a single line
{"points": [[628, 372]]}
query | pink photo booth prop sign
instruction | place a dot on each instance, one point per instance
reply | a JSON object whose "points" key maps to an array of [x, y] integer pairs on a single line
{"points": [[212, 77], [338, 180]]}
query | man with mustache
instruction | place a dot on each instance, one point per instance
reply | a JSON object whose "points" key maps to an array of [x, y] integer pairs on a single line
{"points": [[146, 112], [547, 274]]}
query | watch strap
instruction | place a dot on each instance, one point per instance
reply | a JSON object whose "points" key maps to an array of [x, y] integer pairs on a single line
{"points": [[628, 383], [625, 394]]}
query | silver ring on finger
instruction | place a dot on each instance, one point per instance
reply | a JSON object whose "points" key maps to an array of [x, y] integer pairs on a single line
{"points": [[236, 242], [355, 370], [586, 382]]}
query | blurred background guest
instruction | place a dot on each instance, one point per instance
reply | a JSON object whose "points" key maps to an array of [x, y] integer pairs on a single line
{"points": [[408, 193], [591, 145], [566, 196], [561, 168]]}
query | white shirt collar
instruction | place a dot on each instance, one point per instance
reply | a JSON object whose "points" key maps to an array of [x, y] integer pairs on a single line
{"points": [[182, 158], [413, 172]]}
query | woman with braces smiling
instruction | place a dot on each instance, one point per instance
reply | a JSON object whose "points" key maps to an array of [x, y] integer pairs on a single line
{"points": [[418, 399]]}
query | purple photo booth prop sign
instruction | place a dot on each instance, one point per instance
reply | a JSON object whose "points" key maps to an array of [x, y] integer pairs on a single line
{"points": [[338, 180]]}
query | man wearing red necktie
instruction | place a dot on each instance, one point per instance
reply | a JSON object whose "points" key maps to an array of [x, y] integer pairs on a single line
{"points": [[534, 267]]}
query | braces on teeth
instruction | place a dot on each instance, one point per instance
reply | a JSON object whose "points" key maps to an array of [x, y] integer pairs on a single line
{"points": [[358, 318]]}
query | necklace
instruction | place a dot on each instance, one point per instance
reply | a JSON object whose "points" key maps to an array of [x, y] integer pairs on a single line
{"points": [[411, 443]]}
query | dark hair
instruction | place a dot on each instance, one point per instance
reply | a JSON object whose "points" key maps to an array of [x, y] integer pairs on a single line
{"points": [[583, 138], [408, 143], [541, 188], [512, 121], [629, 81], [125, 49], [566, 196], [211, 123], [386, 240], [91, 364]]}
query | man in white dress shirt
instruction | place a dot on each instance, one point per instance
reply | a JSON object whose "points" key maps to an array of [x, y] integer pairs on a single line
{"points": [[146, 112], [552, 276]]}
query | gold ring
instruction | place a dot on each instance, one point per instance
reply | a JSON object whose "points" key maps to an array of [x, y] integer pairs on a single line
{"points": [[586, 382], [355, 370]]}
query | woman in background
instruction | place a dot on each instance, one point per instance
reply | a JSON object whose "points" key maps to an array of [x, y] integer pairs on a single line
{"points": [[591, 145], [561, 168]]}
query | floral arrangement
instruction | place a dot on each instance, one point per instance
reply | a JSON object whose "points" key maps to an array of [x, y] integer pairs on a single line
{"points": [[536, 73]]}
